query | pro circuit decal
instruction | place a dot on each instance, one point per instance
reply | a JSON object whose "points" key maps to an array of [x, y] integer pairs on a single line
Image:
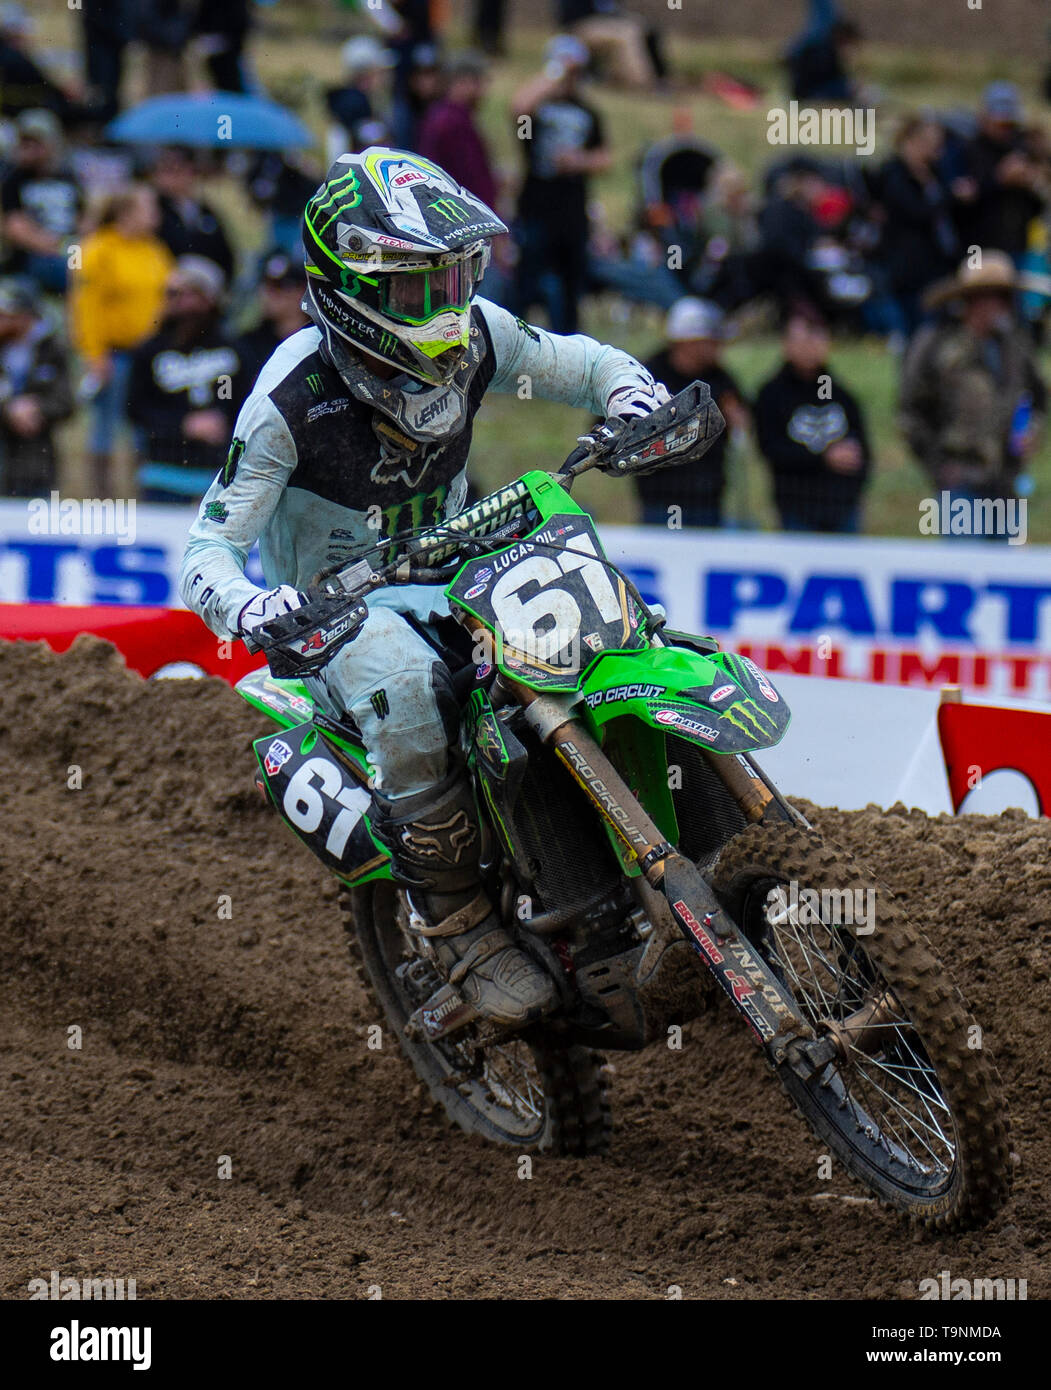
{"points": [[693, 727], [617, 693]]}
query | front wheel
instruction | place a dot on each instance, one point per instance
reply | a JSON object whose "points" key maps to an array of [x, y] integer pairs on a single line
{"points": [[529, 1091], [908, 1101]]}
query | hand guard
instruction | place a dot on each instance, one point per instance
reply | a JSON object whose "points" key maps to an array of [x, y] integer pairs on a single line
{"points": [[267, 605]]}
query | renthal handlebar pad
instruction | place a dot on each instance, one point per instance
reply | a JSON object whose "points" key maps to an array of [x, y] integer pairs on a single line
{"points": [[300, 643], [680, 431]]}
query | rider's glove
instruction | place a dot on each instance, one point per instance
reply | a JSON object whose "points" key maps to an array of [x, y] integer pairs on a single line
{"points": [[267, 605], [640, 398]]}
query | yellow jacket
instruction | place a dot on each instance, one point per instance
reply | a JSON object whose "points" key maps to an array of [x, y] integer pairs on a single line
{"points": [[118, 293]]}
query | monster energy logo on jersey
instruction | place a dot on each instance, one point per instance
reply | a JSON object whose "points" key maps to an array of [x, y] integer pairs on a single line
{"points": [[450, 210], [314, 382], [379, 702], [388, 342], [233, 458]]}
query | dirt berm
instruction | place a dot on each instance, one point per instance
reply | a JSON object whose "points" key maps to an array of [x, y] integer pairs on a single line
{"points": [[206, 1035]]}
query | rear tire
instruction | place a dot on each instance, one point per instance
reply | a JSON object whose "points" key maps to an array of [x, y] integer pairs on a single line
{"points": [[921, 1054], [536, 1093]]}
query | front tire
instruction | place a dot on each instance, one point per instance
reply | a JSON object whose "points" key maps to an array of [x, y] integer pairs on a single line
{"points": [[913, 1111]]}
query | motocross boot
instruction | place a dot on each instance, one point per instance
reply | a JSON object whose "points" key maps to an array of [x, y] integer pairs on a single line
{"points": [[434, 842]]}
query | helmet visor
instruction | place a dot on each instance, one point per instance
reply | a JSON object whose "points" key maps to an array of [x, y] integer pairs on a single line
{"points": [[415, 296]]}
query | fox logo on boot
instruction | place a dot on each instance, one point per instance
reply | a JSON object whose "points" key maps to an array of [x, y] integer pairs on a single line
{"points": [[447, 842]]}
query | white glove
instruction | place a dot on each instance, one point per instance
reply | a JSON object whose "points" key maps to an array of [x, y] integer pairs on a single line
{"points": [[641, 398], [268, 604]]}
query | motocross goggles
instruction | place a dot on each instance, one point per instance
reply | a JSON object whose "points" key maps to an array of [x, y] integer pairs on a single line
{"points": [[417, 296]]}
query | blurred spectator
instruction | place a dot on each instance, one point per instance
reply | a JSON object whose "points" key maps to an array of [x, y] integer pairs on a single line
{"points": [[356, 107], [490, 21], [41, 202], [414, 89], [811, 432], [695, 334], [181, 389], [817, 60], [24, 86], [188, 226], [280, 185], [919, 242], [35, 393], [628, 49], [971, 397], [449, 133], [409, 32], [222, 31], [1008, 180], [115, 304], [165, 27], [108, 28], [565, 145], [281, 290], [789, 233]]}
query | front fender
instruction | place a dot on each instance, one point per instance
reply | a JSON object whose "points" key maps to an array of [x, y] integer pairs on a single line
{"points": [[720, 701]]}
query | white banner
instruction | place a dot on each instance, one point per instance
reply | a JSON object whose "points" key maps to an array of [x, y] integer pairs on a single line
{"points": [[924, 613]]}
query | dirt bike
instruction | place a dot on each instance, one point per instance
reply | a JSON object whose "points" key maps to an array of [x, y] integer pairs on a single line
{"points": [[632, 846]]}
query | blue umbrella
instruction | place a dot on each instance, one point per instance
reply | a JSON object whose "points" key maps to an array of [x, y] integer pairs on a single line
{"points": [[205, 120]]}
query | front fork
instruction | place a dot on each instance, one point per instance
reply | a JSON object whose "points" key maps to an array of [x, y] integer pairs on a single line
{"points": [[756, 993]]}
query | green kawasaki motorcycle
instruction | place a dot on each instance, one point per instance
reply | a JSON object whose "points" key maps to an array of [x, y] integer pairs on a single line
{"points": [[634, 848]]}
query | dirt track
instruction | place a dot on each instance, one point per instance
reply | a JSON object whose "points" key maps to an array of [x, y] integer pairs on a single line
{"points": [[205, 1037]]}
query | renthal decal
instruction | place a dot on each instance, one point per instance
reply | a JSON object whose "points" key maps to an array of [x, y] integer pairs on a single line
{"points": [[721, 693], [619, 817], [705, 942], [675, 720], [616, 693]]}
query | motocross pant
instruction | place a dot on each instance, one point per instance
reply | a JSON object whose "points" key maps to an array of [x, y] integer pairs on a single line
{"points": [[396, 690]]}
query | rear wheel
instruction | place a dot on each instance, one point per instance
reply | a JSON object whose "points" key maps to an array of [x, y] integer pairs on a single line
{"points": [[529, 1091], [907, 1101]]}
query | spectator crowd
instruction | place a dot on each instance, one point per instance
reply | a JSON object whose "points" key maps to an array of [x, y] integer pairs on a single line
{"points": [[123, 293]]}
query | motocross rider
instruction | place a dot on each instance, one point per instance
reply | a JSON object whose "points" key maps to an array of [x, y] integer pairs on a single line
{"points": [[360, 426]]}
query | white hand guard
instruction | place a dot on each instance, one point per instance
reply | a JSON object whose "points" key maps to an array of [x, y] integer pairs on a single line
{"points": [[640, 398], [269, 604]]}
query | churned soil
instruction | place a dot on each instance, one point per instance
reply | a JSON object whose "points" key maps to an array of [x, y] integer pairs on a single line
{"points": [[159, 915]]}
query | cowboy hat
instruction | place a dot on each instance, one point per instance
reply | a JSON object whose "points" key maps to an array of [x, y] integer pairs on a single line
{"points": [[995, 273]]}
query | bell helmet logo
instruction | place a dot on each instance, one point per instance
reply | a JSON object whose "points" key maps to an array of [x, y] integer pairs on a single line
{"points": [[409, 176], [721, 693]]}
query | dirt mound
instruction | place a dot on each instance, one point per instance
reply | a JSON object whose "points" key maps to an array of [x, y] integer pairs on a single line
{"points": [[162, 910]]}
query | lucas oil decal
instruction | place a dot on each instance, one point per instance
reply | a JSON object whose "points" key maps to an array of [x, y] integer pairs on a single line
{"points": [[692, 727]]}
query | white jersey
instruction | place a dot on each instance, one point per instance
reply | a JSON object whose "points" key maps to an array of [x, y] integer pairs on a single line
{"points": [[315, 474]]}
